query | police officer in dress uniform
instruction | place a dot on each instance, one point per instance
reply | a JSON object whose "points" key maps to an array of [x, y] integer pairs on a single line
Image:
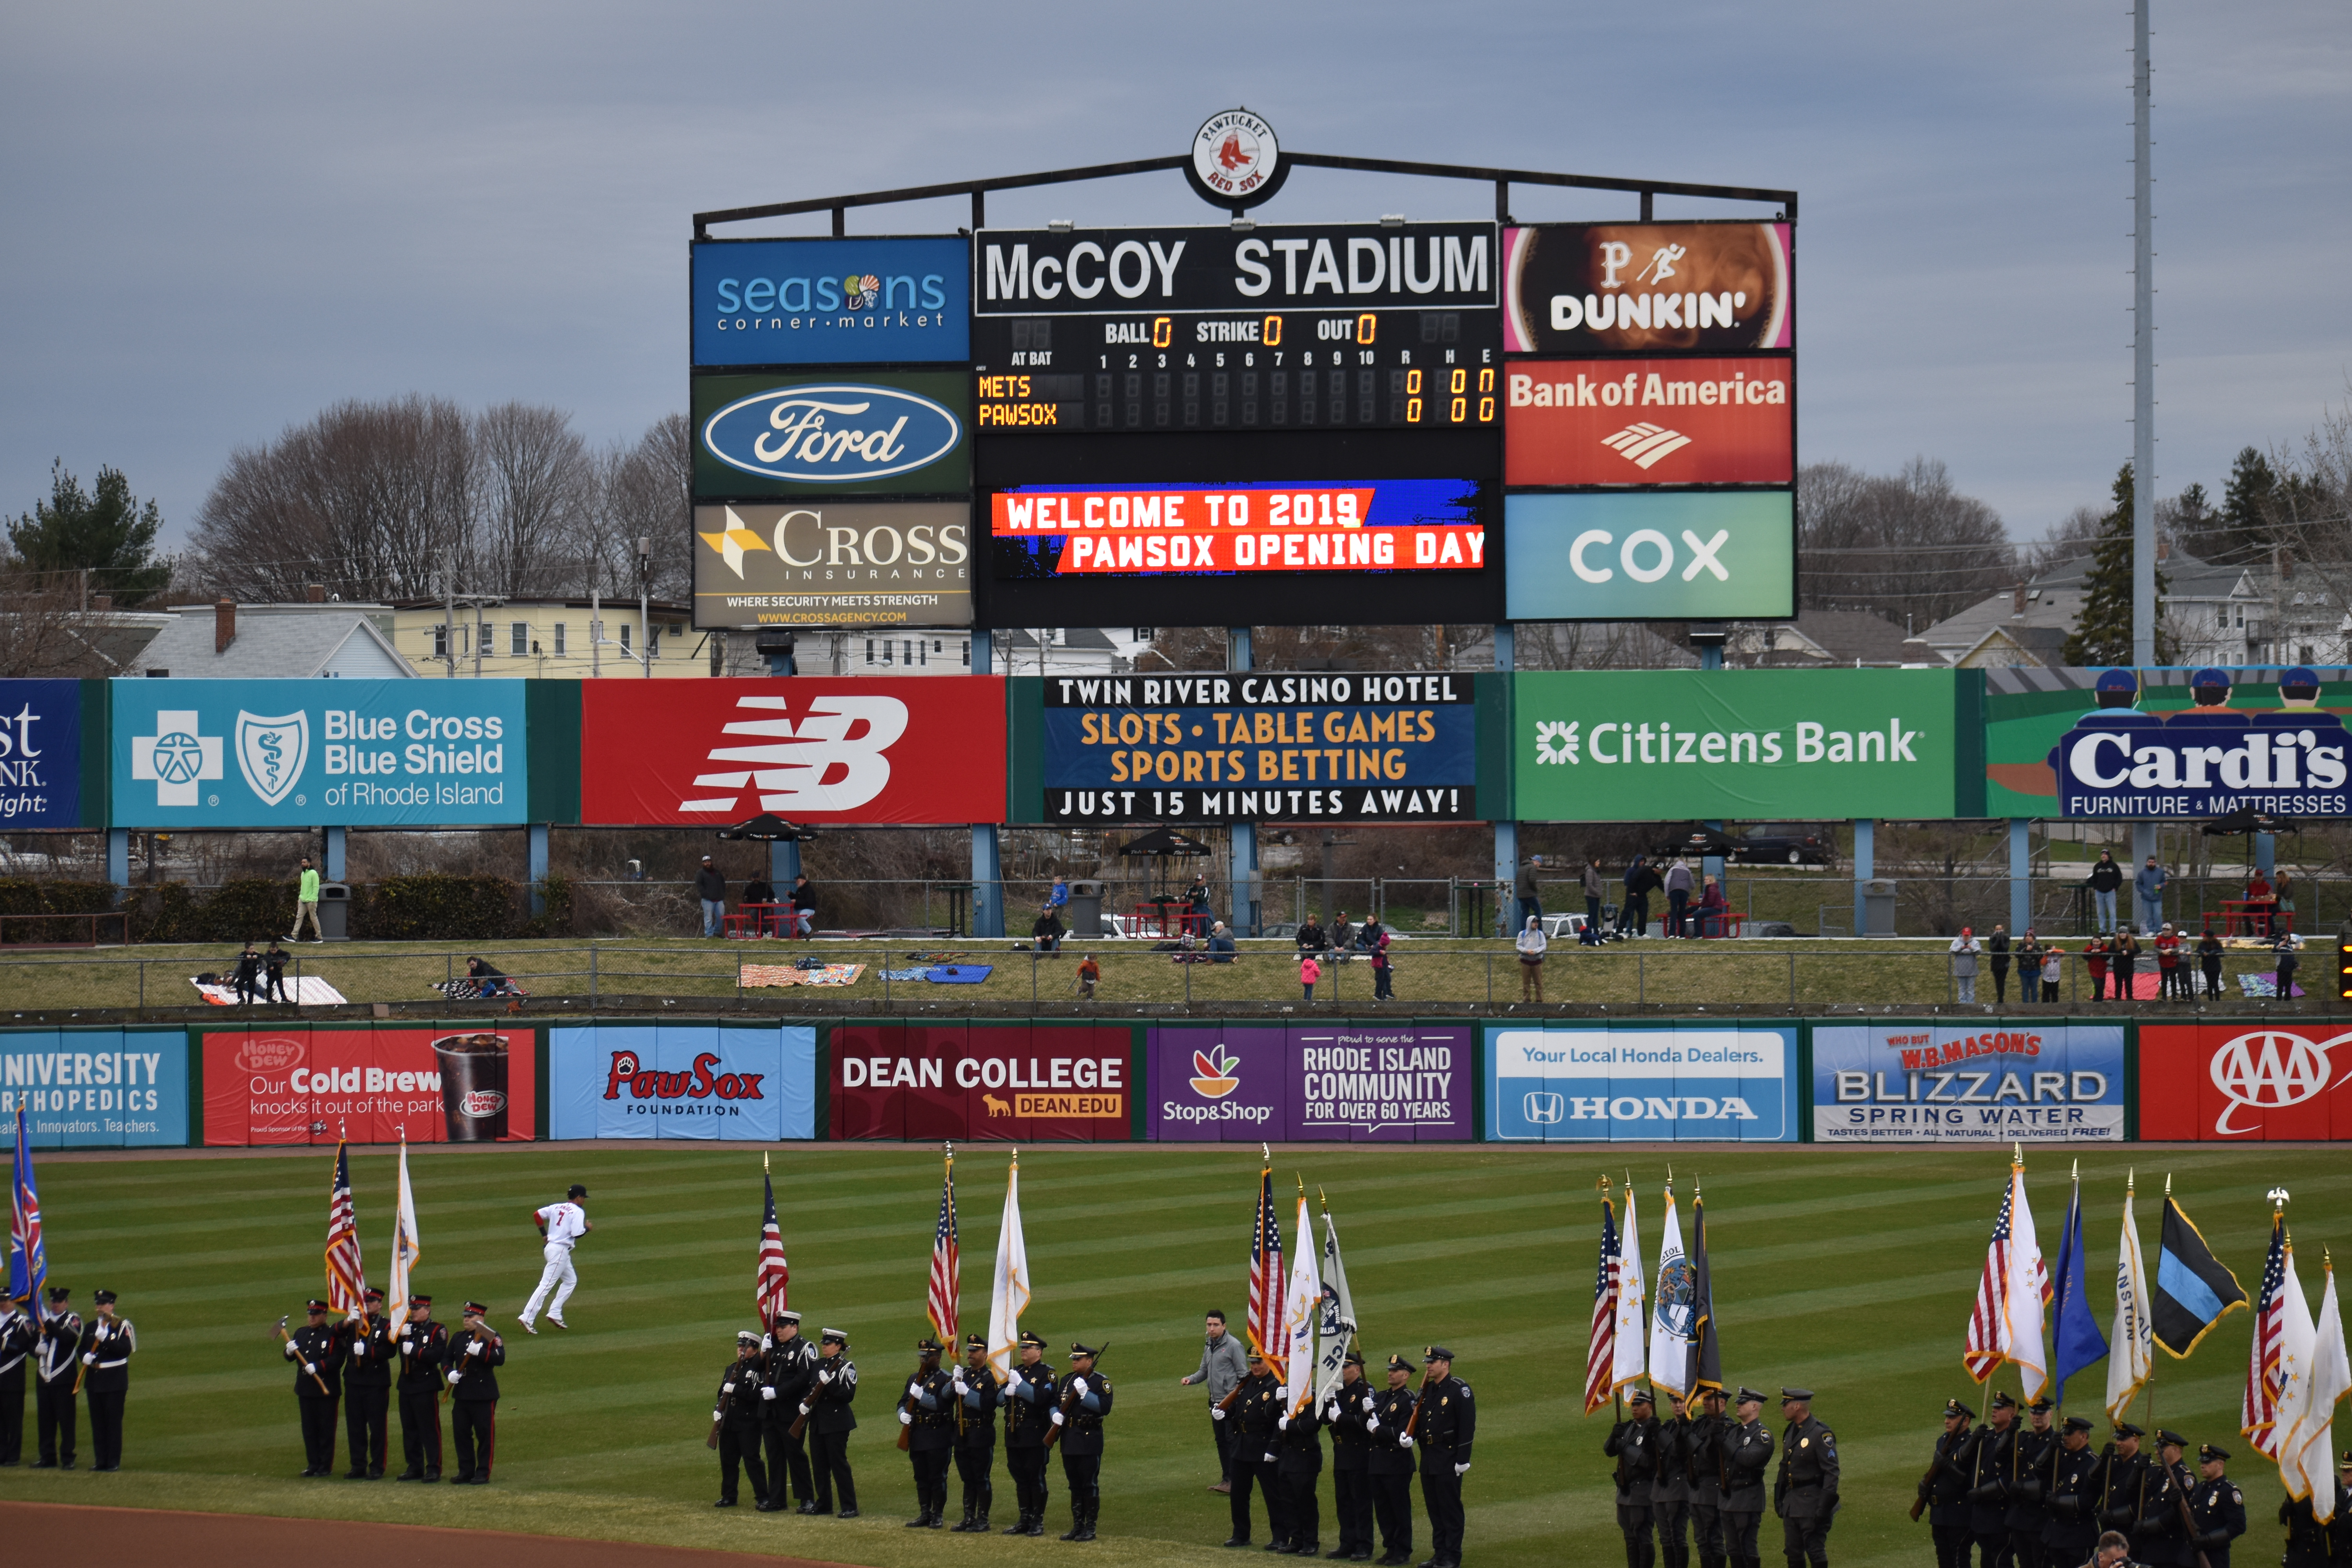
{"points": [[2311, 1544], [1670, 1488], [53, 1381], [2070, 1500], [1634, 1444], [1030, 1396], [736, 1413], [788, 1371], [1805, 1488], [367, 1387], [18, 1336], [1389, 1467], [1990, 1462], [1703, 1465], [1257, 1405], [1449, 1420], [420, 1345], [316, 1352], [1297, 1464], [105, 1349], [2218, 1507], [475, 1356], [1746, 1450], [830, 1421], [2120, 1481], [1351, 1447], [2159, 1536], [1944, 1487], [927, 1414], [1085, 1401], [977, 1397], [2027, 1481]]}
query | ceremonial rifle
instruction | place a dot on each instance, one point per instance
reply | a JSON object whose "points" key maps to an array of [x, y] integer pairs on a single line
{"points": [[2188, 1521], [282, 1334], [1069, 1401], [808, 1406], [1941, 1462]]}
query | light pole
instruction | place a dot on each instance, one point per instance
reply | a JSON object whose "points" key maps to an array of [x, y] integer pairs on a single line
{"points": [[644, 588]]}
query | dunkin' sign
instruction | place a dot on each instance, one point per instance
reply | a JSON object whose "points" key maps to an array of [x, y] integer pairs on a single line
{"points": [[2250, 1080], [456, 1085]]}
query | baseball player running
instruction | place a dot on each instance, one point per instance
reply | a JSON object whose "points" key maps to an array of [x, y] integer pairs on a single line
{"points": [[561, 1225]]}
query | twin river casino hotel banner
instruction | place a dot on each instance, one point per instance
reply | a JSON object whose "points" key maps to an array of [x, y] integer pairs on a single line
{"points": [[1212, 748]]}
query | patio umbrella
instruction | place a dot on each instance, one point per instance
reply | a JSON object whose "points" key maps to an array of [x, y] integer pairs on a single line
{"points": [[767, 828]]}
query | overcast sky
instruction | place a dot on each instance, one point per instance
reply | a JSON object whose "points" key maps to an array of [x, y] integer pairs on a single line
{"points": [[222, 217]]}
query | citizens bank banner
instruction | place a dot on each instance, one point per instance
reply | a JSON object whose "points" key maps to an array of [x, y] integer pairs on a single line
{"points": [[1353, 1080], [2247, 1081], [1600, 1082], [40, 754], [294, 754], [95, 1089], [1994, 1082], [1019, 1081], [457, 1084], [738, 1083]]}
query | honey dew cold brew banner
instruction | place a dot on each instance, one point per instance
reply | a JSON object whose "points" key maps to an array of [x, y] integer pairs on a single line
{"points": [[457, 1084], [1247, 748]]}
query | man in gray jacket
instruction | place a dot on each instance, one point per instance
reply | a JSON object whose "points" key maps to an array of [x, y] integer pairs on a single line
{"points": [[2148, 895], [1224, 1364]]}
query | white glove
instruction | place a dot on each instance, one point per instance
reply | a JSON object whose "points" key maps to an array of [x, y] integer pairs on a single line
{"points": [[905, 1419], [961, 1387], [1215, 1414], [804, 1409], [359, 1348], [1371, 1423], [915, 1390], [474, 1348], [726, 1388], [454, 1377], [404, 1330], [1057, 1418], [91, 1359], [1331, 1411], [825, 1377], [767, 1341], [1282, 1392], [311, 1367], [1404, 1439], [718, 1415], [1283, 1424], [767, 1393], [1461, 1469], [1080, 1384]]}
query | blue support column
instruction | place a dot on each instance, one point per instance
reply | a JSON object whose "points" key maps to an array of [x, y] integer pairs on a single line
{"points": [[334, 856], [1238, 652], [1712, 865], [784, 862], [1507, 834], [118, 857], [1866, 859], [2265, 853], [2020, 874], [1248, 901], [539, 868], [987, 892]]}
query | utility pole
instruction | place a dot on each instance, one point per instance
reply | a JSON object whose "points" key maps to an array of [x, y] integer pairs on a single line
{"points": [[449, 619], [2143, 354], [595, 632], [645, 584]]}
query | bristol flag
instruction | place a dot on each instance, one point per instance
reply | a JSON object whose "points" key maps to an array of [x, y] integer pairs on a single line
{"points": [[1600, 1353], [346, 1273], [1008, 1294], [1265, 1328], [406, 1247], [2258, 1413], [1675, 1290], [1633, 1331], [28, 1260], [947, 1268], [2005, 1324], [771, 1274]]}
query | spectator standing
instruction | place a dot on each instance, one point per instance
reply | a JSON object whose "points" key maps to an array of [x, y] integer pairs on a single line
{"points": [[2126, 959], [711, 888], [803, 900], [1679, 887], [274, 962], [1309, 972], [2094, 963], [2283, 901], [1383, 972], [2171, 981], [1531, 945], [2028, 967], [247, 979], [306, 903], [1090, 975], [2209, 957], [1223, 1367], [2106, 878], [1531, 900], [2287, 965], [1595, 890], [1639, 880], [2051, 959], [1997, 949], [1197, 914], [2147, 896], [1060, 897], [1964, 966]]}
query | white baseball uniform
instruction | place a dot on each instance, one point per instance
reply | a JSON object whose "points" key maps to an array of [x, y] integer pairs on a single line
{"points": [[566, 1223]]}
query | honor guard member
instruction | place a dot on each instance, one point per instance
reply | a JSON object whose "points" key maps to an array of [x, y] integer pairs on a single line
{"points": [[316, 1352], [977, 1397], [830, 1421], [2119, 1484], [1805, 1489], [788, 1371], [105, 1349], [735, 1422], [928, 1416], [1746, 1451], [1448, 1421], [1298, 1469], [1351, 1446], [1389, 1466], [18, 1336], [2070, 1504], [1989, 1472], [1670, 1488], [474, 1356], [1944, 1490], [421, 1344], [2029, 1483], [2217, 1506], [53, 1380], [367, 1388], [2309, 1543], [1703, 1465], [2160, 1535], [1085, 1403], [1634, 1444], [1257, 1405], [1030, 1392]]}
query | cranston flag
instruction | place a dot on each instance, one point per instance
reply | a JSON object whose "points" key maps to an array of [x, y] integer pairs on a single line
{"points": [[2132, 1355], [1632, 1320], [1008, 1296], [1672, 1319], [1339, 1324], [2074, 1331], [1301, 1307], [2193, 1290]]}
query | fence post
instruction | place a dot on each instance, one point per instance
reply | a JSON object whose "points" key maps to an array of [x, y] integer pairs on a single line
{"points": [[1641, 980], [591, 974], [1188, 982], [448, 973], [1490, 982], [1033, 977], [1792, 979], [143, 988]]}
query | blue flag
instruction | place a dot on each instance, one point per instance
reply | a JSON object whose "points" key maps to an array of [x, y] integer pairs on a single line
{"points": [[28, 1259], [2074, 1332]]}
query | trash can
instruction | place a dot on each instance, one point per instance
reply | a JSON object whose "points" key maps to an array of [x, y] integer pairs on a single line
{"points": [[1879, 907], [335, 911], [1085, 908]]}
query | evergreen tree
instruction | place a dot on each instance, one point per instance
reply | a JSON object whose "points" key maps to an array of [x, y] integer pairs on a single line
{"points": [[107, 532], [2102, 632], [2248, 503]]}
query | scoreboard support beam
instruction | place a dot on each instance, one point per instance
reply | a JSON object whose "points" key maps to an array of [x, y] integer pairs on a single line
{"points": [[1865, 864], [1247, 901], [2020, 874]]}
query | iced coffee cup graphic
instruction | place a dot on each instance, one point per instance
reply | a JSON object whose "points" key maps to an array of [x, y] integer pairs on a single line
{"points": [[472, 1087]]}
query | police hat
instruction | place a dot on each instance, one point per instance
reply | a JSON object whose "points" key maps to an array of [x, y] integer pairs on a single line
{"points": [[2078, 1424], [477, 1309], [2167, 1438], [1402, 1363], [1438, 1352], [2043, 1406], [926, 1346], [1999, 1401], [59, 1292], [420, 1301], [371, 1294], [2125, 1429], [975, 1342], [1806, 1396], [2210, 1454], [1078, 1350], [834, 1337], [1953, 1407], [1353, 1358], [1253, 1355], [2347, 1460], [102, 1298], [788, 1316], [1030, 1340], [577, 1191], [746, 1337], [1750, 1396], [1641, 1396], [314, 1305]]}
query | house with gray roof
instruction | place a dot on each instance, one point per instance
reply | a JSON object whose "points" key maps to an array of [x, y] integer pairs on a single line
{"points": [[226, 641]]}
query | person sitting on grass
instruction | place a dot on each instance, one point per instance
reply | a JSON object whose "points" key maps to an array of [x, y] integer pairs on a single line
{"points": [[1310, 937], [1221, 944], [1343, 935], [1047, 930], [490, 982]]}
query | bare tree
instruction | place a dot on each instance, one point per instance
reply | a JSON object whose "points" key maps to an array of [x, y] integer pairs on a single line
{"points": [[45, 631], [1906, 546], [537, 491], [644, 491]]}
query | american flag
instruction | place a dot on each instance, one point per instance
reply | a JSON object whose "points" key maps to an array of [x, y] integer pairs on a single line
{"points": [[28, 1260], [1600, 1361], [768, 1282], [346, 1271], [1987, 1344], [2265, 1380], [947, 1268], [1266, 1331]]}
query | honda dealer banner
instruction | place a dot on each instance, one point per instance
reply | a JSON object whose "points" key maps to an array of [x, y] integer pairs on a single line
{"points": [[1754, 745], [1990, 1082], [457, 1084], [1212, 748], [1647, 288], [917, 749], [95, 1089], [751, 1082], [40, 754], [2246, 1081], [1650, 422], [1650, 555], [1350, 1080], [1595, 1082], [1021, 1081], [293, 754], [832, 301]]}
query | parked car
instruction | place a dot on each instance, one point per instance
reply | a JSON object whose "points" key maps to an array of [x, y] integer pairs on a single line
{"points": [[1766, 844]]}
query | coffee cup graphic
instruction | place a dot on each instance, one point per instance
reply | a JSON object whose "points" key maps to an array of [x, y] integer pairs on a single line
{"points": [[472, 1087]]}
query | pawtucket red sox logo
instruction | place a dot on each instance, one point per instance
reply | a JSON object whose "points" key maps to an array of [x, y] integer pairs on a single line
{"points": [[697, 1082]]}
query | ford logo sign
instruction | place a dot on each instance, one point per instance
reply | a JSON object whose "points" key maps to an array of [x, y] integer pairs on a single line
{"points": [[834, 434]]}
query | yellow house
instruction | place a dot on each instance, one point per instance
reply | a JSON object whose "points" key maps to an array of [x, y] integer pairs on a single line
{"points": [[554, 638]]}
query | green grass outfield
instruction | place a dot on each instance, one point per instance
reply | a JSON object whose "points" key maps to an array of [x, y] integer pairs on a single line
{"points": [[1849, 1272]]}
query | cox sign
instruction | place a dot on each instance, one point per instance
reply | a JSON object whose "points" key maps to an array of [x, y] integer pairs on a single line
{"points": [[2256, 1080], [1665, 555], [899, 433]]}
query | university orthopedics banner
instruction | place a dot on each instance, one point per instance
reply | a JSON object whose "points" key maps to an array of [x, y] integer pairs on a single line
{"points": [[95, 1089], [1997, 1081], [1574, 1082]]}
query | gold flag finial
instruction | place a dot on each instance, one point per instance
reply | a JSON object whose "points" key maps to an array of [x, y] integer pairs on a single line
{"points": [[764, 1168], [2168, 1183], [1322, 1197], [1302, 1187]]}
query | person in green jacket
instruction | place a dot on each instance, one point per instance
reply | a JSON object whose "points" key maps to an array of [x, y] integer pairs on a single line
{"points": [[306, 904]]}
